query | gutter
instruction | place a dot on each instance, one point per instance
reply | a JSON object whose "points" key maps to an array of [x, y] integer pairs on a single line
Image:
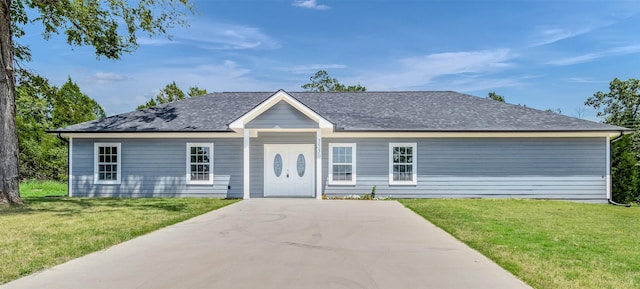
{"points": [[61, 138], [611, 201]]}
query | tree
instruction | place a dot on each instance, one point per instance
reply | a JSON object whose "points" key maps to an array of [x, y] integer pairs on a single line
{"points": [[70, 106], [321, 82], [624, 170], [195, 91], [493, 95], [41, 107], [89, 22], [621, 106], [170, 93]]}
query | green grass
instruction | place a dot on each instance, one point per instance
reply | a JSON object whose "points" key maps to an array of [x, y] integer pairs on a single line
{"points": [[30, 189], [47, 231], [548, 244]]}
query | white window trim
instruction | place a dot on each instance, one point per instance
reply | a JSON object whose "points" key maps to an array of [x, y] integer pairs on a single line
{"points": [[414, 177], [188, 161], [353, 164], [96, 151]]}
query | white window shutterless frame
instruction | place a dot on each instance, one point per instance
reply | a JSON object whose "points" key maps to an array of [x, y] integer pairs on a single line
{"points": [[199, 164], [107, 159], [402, 163], [342, 163]]}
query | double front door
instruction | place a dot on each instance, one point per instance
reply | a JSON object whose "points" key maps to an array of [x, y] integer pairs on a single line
{"points": [[288, 170]]}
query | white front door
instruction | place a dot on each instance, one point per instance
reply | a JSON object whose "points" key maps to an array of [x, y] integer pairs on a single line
{"points": [[288, 170]]}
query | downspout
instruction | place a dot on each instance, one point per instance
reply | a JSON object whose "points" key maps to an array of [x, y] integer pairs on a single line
{"points": [[611, 201]]}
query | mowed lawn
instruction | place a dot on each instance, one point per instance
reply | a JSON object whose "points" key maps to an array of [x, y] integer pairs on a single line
{"points": [[548, 244], [51, 229]]}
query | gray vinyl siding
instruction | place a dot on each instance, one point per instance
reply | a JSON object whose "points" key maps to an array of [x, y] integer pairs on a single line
{"points": [[257, 154], [157, 168], [550, 168], [282, 115]]}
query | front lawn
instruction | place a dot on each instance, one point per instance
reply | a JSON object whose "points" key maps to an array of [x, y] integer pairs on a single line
{"points": [[548, 244], [47, 231]]}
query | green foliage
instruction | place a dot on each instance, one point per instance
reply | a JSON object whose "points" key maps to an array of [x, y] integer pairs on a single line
{"points": [[70, 106], [41, 106], [373, 192], [624, 171], [322, 82], [493, 95], [195, 91], [111, 27], [170, 93], [621, 106]]}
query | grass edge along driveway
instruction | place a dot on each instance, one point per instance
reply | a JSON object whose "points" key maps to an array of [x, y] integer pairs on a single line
{"points": [[48, 231], [548, 244]]}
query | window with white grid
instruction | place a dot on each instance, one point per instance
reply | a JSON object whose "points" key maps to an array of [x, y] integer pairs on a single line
{"points": [[342, 163], [199, 163], [107, 163], [402, 163]]}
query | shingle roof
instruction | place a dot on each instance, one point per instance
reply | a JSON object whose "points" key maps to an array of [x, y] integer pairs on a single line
{"points": [[439, 111]]}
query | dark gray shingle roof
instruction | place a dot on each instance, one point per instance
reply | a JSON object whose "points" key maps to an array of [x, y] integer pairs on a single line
{"points": [[367, 111]]}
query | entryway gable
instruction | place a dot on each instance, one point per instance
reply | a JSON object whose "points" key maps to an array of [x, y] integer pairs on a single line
{"points": [[280, 96], [282, 115]]}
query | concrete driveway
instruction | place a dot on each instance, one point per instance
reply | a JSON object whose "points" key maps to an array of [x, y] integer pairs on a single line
{"points": [[286, 243]]}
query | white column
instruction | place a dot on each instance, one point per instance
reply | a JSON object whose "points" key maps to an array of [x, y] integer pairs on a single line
{"points": [[247, 169], [70, 178], [608, 167], [319, 164]]}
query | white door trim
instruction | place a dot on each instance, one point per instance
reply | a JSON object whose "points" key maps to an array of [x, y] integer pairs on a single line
{"points": [[289, 183]]}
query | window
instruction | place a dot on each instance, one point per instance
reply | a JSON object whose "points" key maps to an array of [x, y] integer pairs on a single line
{"points": [[200, 163], [402, 164], [342, 163], [107, 159]]}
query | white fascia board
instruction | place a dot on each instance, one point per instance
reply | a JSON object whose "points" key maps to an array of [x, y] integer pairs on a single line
{"points": [[573, 134], [281, 95], [329, 133], [99, 135]]}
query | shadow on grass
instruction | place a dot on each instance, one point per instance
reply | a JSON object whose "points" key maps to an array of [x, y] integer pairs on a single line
{"points": [[70, 206]]}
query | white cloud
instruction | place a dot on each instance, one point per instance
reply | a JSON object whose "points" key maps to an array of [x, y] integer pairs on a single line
{"points": [[416, 72], [217, 36], [105, 77], [310, 4], [228, 37], [621, 50], [312, 68], [584, 80], [155, 41], [226, 75], [548, 35]]}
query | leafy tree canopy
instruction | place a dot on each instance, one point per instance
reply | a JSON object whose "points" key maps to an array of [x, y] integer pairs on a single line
{"points": [[322, 82], [621, 106], [111, 27], [493, 95], [170, 93], [40, 107]]}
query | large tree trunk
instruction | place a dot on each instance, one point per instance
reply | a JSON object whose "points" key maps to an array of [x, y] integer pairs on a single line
{"points": [[10, 191]]}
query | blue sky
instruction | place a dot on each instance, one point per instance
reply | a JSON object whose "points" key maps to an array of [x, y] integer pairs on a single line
{"points": [[543, 54]]}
